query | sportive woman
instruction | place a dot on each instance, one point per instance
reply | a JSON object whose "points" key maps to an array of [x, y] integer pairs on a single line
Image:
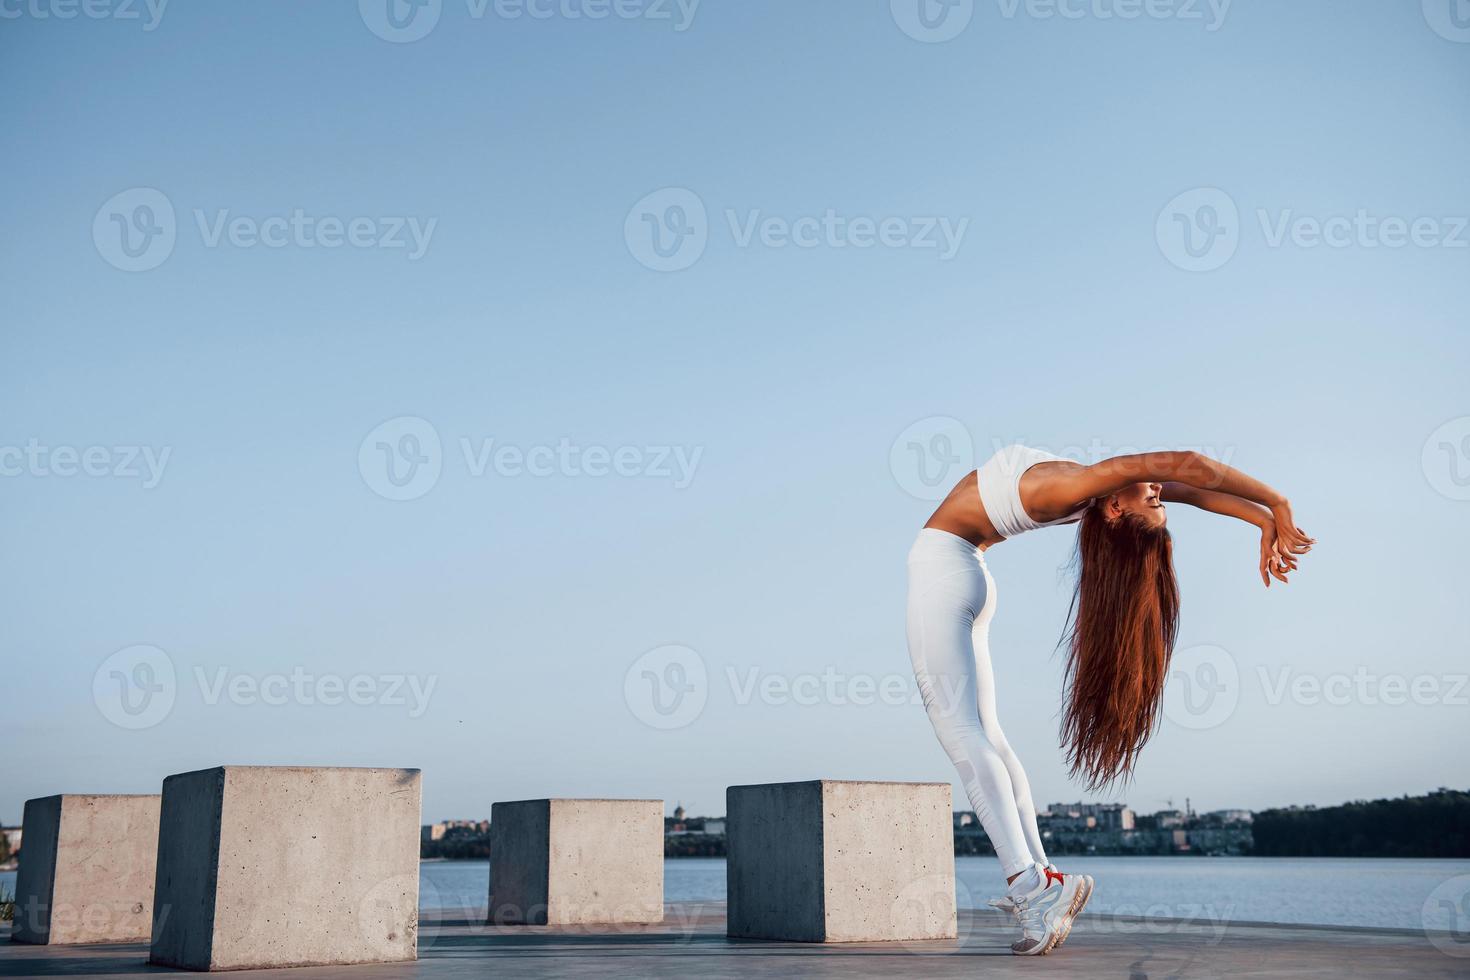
{"points": [[1121, 631]]}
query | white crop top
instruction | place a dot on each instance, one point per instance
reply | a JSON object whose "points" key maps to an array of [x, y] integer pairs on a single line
{"points": [[999, 481]]}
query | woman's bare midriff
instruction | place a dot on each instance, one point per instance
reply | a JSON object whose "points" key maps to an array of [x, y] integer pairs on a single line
{"points": [[962, 515]]}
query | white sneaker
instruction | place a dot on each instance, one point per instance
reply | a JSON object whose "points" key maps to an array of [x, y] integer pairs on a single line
{"points": [[1046, 911], [1008, 904], [1087, 885], [1005, 903]]}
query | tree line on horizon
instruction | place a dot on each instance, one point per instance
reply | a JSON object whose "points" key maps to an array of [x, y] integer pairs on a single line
{"points": [[1433, 826]]}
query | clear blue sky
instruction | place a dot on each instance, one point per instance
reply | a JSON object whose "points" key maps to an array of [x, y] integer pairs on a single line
{"points": [[519, 147]]}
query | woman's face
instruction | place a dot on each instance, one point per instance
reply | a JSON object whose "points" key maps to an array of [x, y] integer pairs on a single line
{"points": [[1141, 499]]}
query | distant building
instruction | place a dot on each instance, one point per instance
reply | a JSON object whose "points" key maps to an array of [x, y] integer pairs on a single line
{"points": [[1232, 816], [12, 837], [679, 813], [714, 826], [1090, 816], [431, 832], [1169, 819]]}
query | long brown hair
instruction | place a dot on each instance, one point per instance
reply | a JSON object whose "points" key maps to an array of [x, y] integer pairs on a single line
{"points": [[1121, 631]]}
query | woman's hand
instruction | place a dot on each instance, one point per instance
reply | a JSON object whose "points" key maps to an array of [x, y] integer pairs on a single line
{"points": [[1291, 540], [1276, 559]]}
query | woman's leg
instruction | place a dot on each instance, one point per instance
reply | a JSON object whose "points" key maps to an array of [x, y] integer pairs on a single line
{"points": [[945, 597], [990, 722]]}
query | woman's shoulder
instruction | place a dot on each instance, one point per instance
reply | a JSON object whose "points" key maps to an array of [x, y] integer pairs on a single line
{"points": [[1018, 457]]}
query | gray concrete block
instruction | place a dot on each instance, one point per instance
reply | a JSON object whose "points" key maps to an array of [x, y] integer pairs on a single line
{"points": [[835, 861], [576, 862], [267, 866], [86, 869]]}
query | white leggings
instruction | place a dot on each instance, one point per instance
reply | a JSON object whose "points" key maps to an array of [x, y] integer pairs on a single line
{"points": [[951, 602]]}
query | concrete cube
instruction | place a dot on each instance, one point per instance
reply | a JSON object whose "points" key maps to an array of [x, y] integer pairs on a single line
{"points": [[571, 862], [86, 870], [833, 861], [264, 866]]}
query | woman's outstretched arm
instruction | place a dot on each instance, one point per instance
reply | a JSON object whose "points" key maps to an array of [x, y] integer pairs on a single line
{"points": [[1195, 470], [1210, 479], [1274, 559]]}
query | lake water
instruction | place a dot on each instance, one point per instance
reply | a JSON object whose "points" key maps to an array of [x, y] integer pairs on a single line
{"points": [[1315, 891], [1405, 894]]}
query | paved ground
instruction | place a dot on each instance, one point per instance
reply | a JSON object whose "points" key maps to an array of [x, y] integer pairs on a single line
{"points": [[692, 943]]}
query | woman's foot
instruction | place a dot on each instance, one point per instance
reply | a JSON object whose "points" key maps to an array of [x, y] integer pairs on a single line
{"points": [[1008, 905], [1086, 890], [1045, 902]]}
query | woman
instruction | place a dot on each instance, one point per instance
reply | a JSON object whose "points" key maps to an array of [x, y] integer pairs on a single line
{"points": [[1123, 623]]}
